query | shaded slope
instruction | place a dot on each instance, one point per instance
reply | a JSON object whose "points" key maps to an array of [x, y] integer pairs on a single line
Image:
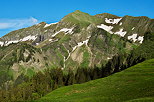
{"points": [[135, 83], [15, 60]]}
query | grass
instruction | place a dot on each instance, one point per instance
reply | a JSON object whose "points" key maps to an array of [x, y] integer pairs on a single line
{"points": [[64, 38], [135, 84], [30, 72], [86, 57], [81, 18]]}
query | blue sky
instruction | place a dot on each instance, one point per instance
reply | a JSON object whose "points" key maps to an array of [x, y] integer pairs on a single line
{"points": [[16, 14]]}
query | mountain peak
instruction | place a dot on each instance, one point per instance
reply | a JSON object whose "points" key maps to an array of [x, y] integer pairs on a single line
{"points": [[42, 23], [77, 11], [79, 17]]}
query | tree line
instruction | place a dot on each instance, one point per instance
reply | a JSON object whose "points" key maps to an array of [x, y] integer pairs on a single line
{"points": [[44, 82]]}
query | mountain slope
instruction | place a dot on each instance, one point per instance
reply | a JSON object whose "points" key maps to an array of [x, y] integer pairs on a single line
{"points": [[132, 85], [79, 40], [17, 60]]}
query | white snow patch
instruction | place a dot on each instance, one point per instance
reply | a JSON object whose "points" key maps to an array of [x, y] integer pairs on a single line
{"points": [[109, 58], [16, 41], [140, 38], [120, 23], [106, 28], [28, 38], [133, 37], [133, 28], [78, 45], [10, 42], [51, 40], [74, 47], [112, 21], [55, 34], [81, 43], [109, 28], [47, 25], [1, 43], [69, 54], [37, 43], [66, 30], [121, 32], [55, 23], [64, 62]]}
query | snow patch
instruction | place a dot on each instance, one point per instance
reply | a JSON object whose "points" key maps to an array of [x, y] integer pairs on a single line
{"points": [[140, 38], [106, 28], [16, 41], [109, 58], [37, 43], [121, 32], [69, 54], [52, 40], [74, 48], [133, 37], [81, 43], [28, 38], [1, 43], [66, 30], [109, 28], [10, 42], [47, 25], [112, 21], [133, 28], [64, 62], [120, 23]]}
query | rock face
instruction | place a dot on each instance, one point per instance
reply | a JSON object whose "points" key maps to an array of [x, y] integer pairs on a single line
{"points": [[78, 40]]}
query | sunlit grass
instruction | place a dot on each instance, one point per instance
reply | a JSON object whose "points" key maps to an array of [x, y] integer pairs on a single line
{"points": [[133, 85]]}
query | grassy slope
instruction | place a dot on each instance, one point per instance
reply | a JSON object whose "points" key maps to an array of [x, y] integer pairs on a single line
{"points": [[132, 85], [81, 18]]}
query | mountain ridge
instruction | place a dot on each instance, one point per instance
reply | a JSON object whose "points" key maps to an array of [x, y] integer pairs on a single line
{"points": [[78, 11], [78, 48], [78, 40]]}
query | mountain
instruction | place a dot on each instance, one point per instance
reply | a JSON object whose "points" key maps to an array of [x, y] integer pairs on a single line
{"points": [[78, 41], [134, 84]]}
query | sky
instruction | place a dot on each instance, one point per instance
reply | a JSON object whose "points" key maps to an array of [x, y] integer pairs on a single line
{"points": [[17, 14]]}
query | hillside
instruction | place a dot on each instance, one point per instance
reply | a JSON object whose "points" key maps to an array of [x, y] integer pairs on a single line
{"points": [[78, 48], [134, 84]]}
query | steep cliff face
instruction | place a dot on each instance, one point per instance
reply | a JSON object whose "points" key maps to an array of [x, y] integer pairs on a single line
{"points": [[78, 40]]}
